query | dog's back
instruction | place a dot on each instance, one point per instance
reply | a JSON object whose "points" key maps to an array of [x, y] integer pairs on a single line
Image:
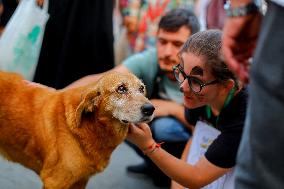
{"points": [[19, 107]]}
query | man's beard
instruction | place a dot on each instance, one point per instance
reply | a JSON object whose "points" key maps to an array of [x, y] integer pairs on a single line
{"points": [[169, 74]]}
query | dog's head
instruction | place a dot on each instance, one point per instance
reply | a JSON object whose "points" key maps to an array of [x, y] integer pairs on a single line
{"points": [[117, 96]]}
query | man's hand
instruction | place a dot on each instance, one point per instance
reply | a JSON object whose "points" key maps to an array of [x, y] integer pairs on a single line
{"points": [[170, 108], [164, 107], [239, 40]]}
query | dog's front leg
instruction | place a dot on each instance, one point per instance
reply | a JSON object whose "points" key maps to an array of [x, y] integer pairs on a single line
{"points": [[57, 179], [81, 184]]}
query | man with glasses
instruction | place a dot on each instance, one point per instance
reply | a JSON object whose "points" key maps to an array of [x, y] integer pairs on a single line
{"points": [[154, 67]]}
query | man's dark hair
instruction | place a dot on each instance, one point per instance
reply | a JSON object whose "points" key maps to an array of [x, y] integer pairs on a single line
{"points": [[173, 20]]}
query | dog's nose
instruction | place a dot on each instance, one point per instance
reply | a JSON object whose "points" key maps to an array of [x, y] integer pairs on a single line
{"points": [[147, 109]]}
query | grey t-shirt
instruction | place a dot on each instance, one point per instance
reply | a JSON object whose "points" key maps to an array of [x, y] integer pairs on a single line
{"points": [[145, 66]]}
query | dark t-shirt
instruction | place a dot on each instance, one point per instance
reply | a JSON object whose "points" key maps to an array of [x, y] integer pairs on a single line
{"points": [[78, 41], [223, 151]]}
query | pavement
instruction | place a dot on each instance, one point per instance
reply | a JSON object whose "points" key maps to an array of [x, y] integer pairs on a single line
{"points": [[15, 176]]}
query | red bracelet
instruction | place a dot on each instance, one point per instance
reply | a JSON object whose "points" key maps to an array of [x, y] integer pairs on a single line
{"points": [[152, 148]]}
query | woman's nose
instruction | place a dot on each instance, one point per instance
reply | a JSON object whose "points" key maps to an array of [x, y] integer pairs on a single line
{"points": [[181, 89], [184, 87]]}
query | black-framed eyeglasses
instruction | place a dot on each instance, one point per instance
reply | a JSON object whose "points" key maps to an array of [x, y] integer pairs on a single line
{"points": [[194, 83]]}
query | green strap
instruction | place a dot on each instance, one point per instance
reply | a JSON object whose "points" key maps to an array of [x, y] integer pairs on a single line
{"points": [[229, 97], [227, 101], [208, 112]]}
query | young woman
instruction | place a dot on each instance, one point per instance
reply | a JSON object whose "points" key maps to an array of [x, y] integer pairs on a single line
{"points": [[216, 104]]}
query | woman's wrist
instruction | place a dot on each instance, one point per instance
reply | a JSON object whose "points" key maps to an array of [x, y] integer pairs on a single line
{"points": [[150, 149], [147, 144]]}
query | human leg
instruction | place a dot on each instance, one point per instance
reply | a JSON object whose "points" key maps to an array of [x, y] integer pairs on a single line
{"points": [[260, 157], [169, 129], [175, 136]]}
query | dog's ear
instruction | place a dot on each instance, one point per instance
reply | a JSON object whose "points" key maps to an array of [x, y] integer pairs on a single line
{"points": [[87, 105]]}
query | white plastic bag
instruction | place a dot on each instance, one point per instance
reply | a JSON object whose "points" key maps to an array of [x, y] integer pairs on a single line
{"points": [[21, 40]]}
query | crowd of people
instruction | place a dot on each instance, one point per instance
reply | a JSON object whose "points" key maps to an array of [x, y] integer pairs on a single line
{"points": [[214, 75]]}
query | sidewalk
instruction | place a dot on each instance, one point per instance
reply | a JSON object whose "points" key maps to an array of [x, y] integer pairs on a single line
{"points": [[14, 176]]}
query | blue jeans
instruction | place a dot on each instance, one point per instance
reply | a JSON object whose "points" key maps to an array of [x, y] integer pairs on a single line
{"points": [[169, 129]]}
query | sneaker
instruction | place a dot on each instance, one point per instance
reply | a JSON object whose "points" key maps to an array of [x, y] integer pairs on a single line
{"points": [[159, 178], [162, 182], [142, 168]]}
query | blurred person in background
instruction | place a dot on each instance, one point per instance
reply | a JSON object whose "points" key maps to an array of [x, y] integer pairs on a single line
{"points": [[211, 13], [7, 9], [140, 22], [78, 41], [1, 12], [248, 34]]}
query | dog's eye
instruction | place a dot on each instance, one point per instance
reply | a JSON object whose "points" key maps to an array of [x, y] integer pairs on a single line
{"points": [[142, 89], [122, 89]]}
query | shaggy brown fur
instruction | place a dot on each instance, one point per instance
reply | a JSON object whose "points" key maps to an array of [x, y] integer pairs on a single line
{"points": [[68, 135]]}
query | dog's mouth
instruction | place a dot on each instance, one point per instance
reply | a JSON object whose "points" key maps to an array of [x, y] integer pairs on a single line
{"points": [[124, 121], [146, 119], [142, 120]]}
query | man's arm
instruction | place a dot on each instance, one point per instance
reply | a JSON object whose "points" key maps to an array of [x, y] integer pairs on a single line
{"points": [[93, 78], [170, 108], [239, 39]]}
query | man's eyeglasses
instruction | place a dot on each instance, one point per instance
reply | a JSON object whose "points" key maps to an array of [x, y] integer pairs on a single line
{"points": [[194, 83]]}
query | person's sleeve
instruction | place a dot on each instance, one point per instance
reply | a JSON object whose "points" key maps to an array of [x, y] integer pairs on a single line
{"points": [[140, 63], [223, 151]]}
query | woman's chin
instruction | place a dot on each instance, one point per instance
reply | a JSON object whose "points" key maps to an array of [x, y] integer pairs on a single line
{"points": [[190, 106], [190, 103]]}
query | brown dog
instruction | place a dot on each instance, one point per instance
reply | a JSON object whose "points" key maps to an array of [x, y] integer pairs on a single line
{"points": [[68, 135]]}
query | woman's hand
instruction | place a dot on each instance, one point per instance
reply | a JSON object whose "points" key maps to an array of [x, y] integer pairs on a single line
{"points": [[140, 135]]}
